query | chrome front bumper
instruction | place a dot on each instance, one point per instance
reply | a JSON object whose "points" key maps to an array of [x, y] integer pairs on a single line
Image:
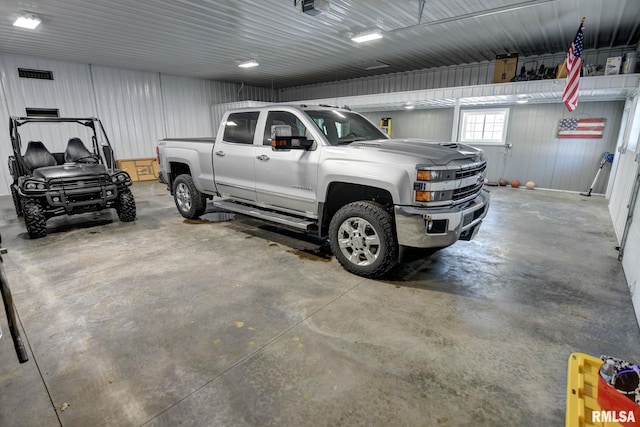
{"points": [[440, 227]]}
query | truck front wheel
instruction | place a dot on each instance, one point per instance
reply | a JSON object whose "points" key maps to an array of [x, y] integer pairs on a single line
{"points": [[190, 203], [34, 218], [363, 239]]}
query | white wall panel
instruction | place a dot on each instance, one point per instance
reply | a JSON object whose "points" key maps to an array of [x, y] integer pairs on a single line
{"points": [[186, 106], [631, 259], [434, 124], [5, 141], [537, 155], [561, 164], [69, 91], [130, 107]]}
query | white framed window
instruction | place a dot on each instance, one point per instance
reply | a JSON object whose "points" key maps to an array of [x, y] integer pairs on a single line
{"points": [[487, 126]]}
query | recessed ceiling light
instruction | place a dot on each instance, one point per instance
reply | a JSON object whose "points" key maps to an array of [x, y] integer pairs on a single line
{"points": [[522, 101], [248, 64], [27, 20], [367, 36], [409, 107]]}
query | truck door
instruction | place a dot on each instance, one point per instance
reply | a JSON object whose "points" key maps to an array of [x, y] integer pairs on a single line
{"points": [[286, 179], [234, 155]]}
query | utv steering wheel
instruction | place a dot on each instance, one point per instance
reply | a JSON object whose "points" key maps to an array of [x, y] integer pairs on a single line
{"points": [[93, 159]]}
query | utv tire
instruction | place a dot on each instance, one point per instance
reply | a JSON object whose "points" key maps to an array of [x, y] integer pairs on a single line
{"points": [[126, 206], [363, 239], [16, 201], [190, 203], [34, 218]]}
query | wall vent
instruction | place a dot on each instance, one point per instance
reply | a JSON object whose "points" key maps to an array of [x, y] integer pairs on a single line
{"points": [[42, 112], [28, 73]]}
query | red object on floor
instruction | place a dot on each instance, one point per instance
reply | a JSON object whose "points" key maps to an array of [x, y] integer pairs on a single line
{"points": [[515, 183], [610, 399]]}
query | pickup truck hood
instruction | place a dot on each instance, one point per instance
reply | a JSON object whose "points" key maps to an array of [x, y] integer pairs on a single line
{"points": [[426, 151], [69, 170]]}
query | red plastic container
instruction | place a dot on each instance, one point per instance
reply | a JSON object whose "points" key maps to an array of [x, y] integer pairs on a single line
{"points": [[610, 399]]}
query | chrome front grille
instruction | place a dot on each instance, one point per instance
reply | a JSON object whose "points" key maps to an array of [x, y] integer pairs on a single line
{"points": [[464, 192], [474, 170]]}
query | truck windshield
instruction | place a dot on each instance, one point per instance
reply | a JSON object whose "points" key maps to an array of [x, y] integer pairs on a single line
{"points": [[342, 127]]}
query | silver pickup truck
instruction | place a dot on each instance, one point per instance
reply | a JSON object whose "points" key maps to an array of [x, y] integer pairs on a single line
{"points": [[332, 172]]}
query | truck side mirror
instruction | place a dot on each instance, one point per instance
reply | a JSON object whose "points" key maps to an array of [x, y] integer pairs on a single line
{"points": [[282, 139]]}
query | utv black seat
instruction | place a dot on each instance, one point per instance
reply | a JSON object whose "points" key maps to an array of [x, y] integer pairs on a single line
{"points": [[37, 156], [77, 151]]}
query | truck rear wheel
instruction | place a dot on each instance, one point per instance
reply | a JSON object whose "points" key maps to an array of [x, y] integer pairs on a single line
{"points": [[363, 239], [34, 218], [126, 206], [190, 203]]}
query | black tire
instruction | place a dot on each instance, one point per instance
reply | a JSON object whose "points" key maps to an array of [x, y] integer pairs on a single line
{"points": [[189, 201], [34, 218], [126, 206], [16, 201], [363, 239]]}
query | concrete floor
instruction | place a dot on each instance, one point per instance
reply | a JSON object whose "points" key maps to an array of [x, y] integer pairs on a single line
{"points": [[231, 322]]}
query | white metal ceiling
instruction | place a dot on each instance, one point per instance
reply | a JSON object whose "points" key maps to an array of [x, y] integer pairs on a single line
{"points": [[208, 38]]}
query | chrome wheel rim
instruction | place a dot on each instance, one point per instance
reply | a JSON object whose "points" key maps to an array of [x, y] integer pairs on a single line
{"points": [[358, 241], [183, 197]]}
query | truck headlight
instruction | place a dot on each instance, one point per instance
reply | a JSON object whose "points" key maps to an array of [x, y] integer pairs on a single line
{"points": [[30, 186], [427, 175], [433, 196], [424, 196]]}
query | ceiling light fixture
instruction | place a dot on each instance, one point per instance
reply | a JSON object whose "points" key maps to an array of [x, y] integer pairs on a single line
{"points": [[27, 20], [522, 101], [367, 36], [248, 64], [409, 107]]}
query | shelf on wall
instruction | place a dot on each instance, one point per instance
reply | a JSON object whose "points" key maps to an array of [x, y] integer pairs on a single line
{"points": [[598, 88]]}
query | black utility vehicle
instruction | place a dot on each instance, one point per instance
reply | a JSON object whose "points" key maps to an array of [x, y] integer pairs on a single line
{"points": [[76, 180]]}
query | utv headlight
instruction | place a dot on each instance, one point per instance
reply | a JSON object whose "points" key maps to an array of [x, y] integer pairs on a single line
{"points": [[34, 186], [119, 178]]}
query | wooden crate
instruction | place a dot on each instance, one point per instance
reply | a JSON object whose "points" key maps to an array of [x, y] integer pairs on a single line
{"points": [[140, 169]]}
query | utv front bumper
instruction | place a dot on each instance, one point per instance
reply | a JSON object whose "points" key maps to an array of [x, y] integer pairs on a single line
{"points": [[77, 195]]}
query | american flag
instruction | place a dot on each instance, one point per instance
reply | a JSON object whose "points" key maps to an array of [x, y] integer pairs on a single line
{"points": [[581, 128], [574, 64]]}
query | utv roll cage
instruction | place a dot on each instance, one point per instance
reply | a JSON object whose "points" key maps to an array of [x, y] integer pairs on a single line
{"points": [[19, 168]]}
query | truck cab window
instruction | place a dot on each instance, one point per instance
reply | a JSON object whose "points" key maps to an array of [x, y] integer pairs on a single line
{"points": [[342, 127], [241, 127], [283, 118]]}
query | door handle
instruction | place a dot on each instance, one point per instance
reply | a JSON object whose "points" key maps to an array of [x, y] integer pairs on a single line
{"points": [[220, 153], [262, 157]]}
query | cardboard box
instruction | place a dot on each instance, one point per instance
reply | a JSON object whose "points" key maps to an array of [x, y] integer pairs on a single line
{"points": [[613, 65], [505, 68], [140, 169]]}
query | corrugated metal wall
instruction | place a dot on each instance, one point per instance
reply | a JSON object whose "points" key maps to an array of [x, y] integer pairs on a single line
{"points": [[537, 155], [460, 75], [561, 164], [433, 124], [137, 108], [130, 107]]}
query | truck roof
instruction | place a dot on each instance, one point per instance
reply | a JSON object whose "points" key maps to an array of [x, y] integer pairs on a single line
{"points": [[292, 106]]}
